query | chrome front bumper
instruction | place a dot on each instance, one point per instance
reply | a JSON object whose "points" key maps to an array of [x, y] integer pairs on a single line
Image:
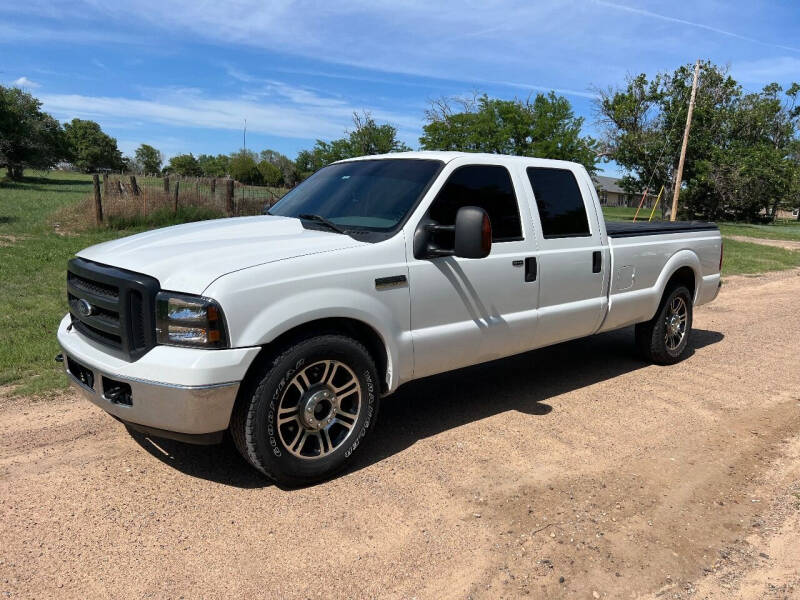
{"points": [[183, 409], [183, 391]]}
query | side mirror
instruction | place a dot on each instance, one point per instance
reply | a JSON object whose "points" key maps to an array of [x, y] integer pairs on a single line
{"points": [[473, 233]]}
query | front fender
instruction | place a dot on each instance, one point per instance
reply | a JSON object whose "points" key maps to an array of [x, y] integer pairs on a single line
{"points": [[298, 309]]}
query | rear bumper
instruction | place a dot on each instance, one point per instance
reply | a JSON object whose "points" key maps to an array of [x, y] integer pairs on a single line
{"points": [[193, 397]]}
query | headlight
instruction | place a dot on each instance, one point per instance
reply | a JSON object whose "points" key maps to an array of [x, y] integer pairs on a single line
{"points": [[184, 320]]}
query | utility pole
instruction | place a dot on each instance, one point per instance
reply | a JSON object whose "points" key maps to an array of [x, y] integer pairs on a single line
{"points": [[679, 174], [244, 135]]}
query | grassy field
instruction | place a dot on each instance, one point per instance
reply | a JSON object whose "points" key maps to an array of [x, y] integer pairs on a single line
{"points": [[34, 249], [35, 246]]}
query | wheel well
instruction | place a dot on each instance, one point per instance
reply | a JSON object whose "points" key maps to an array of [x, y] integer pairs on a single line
{"points": [[358, 330], [683, 276]]}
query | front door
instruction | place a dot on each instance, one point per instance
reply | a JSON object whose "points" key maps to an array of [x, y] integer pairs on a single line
{"points": [[466, 311]]}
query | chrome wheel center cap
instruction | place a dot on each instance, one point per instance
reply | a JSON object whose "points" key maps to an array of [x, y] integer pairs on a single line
{"points": [[674, 322], [319, 410]]}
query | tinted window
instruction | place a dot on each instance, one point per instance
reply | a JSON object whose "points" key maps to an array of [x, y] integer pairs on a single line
{"points": [[560, 202], [486, 186], [373, 195]]}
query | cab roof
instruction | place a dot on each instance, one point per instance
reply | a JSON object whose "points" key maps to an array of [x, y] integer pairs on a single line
{"points": [[446, 157]]}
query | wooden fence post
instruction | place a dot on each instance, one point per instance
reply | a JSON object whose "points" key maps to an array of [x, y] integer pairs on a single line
{"points": [[98, 203], [119, 188], [105, 185], [213, 184], [166, 184], [175, 205], [134, 186], [229, 196]]}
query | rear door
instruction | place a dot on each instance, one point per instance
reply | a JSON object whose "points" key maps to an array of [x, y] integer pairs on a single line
{"points": [[573, 261], [465, 311]]}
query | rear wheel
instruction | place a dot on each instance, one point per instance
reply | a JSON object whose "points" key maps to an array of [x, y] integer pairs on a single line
{"points": [[312, 407], [665, 338]]}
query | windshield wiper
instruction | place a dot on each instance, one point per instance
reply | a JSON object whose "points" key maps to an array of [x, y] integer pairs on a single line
{"points": [[322, 220]]}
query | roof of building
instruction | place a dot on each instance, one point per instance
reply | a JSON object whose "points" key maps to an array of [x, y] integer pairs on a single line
{"points": [[609, 184]]}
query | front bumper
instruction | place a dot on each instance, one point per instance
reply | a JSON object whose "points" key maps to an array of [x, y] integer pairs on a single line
{"points": [[183, 390]]}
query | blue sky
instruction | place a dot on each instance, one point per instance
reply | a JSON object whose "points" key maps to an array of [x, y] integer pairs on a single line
{"points": [[184, 75]]}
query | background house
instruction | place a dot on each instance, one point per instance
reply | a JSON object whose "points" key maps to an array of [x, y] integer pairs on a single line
{"points": [[611, 194]]}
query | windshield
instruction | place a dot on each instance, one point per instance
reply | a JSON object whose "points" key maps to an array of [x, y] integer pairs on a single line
{"points": [[375, 195]]}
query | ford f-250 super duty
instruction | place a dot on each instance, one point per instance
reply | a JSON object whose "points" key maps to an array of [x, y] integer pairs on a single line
{"points": [[286, 329]]}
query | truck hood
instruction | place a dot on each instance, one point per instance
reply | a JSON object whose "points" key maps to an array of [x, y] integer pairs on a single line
{"points": [[187, 258]]}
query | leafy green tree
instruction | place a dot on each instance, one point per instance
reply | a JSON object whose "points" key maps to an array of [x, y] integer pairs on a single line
{"points": [[214, 166], [366, 138], [89, 148], [147, 159], [288, 168], [740, 162], [244, 167], [184, 164], [270, 174], [545, 127], [29, 138]]}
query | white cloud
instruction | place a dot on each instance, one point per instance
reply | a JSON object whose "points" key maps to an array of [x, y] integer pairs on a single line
{"points": [[305, 116], [24, 82]]}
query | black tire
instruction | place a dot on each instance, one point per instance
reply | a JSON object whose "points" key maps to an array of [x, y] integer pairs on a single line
{"points": [[651, 337], [270, 446]]}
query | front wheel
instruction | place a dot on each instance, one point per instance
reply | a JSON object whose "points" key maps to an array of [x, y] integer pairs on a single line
{"points": [[312, 407], [665, 338]]}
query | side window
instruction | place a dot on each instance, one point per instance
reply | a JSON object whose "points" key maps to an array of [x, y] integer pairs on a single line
{"points": [[486, 186], [560, 203]]}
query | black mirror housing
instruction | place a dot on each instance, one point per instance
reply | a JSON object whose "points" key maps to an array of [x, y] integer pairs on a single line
{"points": [[473, 233]]}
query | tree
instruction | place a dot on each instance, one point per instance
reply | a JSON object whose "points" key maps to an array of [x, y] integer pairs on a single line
{"points": [[29, 138], [545, 127], [244, 167], [89, 149], [739, 161], [184, 164], [214, 166], [270, 174], [366, 138], [147, 159], [288, 168]]}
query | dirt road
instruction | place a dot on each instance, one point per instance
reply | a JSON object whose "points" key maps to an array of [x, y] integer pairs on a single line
{"points": [[574, 472]]}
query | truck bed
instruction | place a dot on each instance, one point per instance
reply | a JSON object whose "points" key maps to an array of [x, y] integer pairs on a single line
{"points": [[617, 229]]}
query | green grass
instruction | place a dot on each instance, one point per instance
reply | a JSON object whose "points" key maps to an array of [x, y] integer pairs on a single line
{"points": [[33, 258], [623, 213], [744, 258], [785, 230]]}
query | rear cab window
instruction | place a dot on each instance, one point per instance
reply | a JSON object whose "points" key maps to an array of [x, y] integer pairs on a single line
{"points": [[562, 211]]}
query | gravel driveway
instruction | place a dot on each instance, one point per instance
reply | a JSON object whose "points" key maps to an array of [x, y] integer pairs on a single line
{"points": [[576, 471]]}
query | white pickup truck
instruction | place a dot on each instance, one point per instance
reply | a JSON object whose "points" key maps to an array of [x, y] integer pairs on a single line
{"points": [[286, 329]]}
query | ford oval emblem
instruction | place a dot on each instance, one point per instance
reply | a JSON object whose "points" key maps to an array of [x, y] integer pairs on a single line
{"points": [[84, 308]]}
